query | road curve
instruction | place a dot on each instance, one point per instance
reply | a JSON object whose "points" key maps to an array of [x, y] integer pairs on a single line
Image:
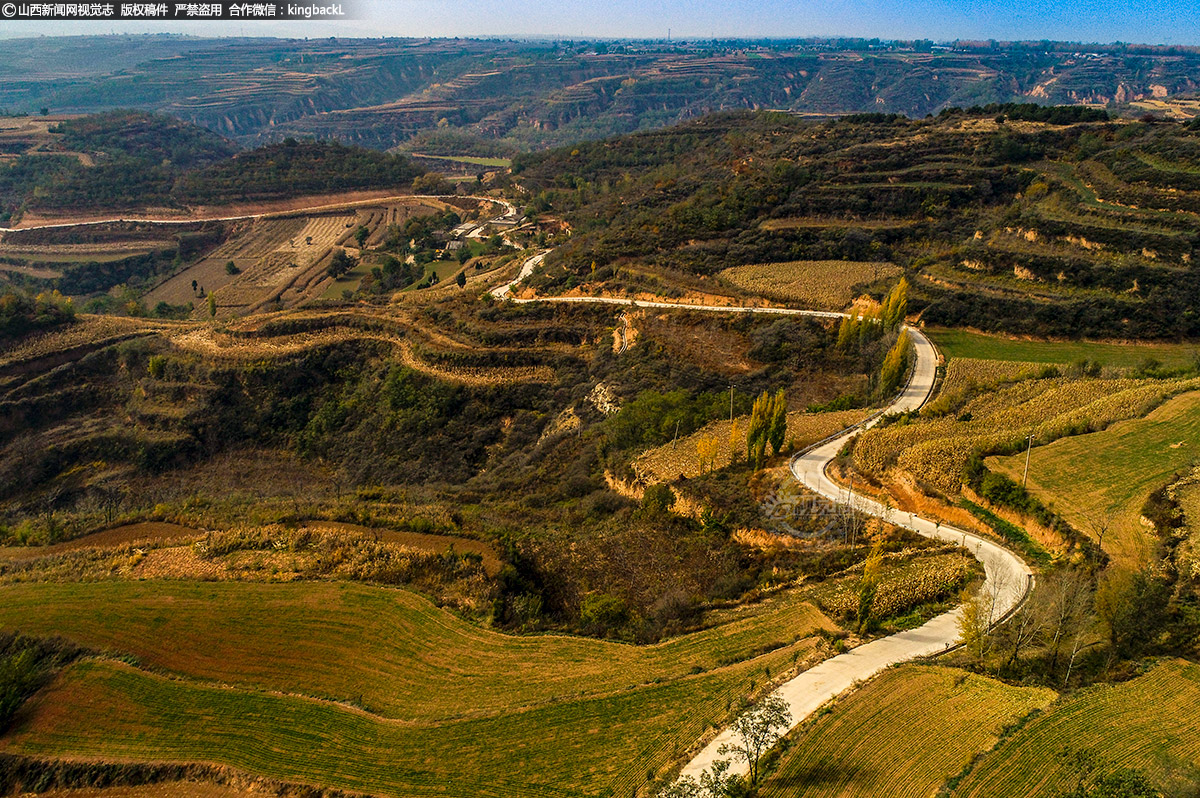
{"points": [[1007, 577], [1007, 581]]}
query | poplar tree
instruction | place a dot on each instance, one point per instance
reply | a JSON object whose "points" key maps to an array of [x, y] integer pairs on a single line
{"points": [[777, 429]]}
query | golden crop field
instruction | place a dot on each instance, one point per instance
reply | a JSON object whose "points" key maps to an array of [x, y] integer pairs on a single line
{"points": [[963, 373], [1106, 476], [904, 586], [712, 446], [1151, 723], [901, 735], [936, 450], [818, 283]]}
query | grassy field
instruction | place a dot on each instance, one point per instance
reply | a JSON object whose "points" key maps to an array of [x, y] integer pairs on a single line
{"points": [[596, 746], [1151, 723], [963, 344], [1109, 474], [901, 735], [348, 281], [390, 651], [819, 283]]}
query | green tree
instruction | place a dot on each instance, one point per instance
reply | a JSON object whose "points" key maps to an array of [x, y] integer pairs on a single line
{"points": [[19, 677], [895, 306], [757, 729], [157, 366], [460, 279], [658, 498], [231, 268], [340, 263], [895, 364], [974, 627], [361, 235], [212, 306], [777, 427], [1131, 608], [848, 332], [715, 782], [759, 430]]}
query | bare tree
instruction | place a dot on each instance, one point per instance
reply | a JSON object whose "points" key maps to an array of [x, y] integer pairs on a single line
{"points": [[757, 729], [1022, 629], [1065, 600]]}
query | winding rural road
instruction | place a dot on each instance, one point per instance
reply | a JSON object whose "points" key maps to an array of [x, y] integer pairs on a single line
{"points": [[1007, 578]]}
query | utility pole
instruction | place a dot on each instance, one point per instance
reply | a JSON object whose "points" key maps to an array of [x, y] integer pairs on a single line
{"points": [[1028, 449]]}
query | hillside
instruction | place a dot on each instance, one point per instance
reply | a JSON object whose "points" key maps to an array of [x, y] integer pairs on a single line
{"points": [[1016, 219], [485, 97]]}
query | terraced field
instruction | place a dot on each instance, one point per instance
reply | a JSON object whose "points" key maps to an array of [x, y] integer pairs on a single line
{"points": [[823, 284], [903, 734], [388, 651], [936, 450], [1149, 723], [1102, 479], [281, 259]]}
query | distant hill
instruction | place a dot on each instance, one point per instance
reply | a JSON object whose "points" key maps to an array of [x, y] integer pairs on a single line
{"points": [[486, 97], [132, 159]]}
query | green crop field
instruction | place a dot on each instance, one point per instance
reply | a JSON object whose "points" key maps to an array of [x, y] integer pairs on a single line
{"points": [[1109, 474], [901, 735], [389, 651], [1151, 723], [963, 344], [347, 282], [598, 746]]}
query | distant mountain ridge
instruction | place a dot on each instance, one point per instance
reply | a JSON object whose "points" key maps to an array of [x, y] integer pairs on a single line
{"points": [[451, 96]]}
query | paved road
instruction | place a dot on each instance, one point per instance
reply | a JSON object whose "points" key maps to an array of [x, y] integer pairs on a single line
{"points": [[1007, 581]]}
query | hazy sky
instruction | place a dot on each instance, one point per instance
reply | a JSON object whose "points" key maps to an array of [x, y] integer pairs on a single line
{"points": [[1140, 21]]}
